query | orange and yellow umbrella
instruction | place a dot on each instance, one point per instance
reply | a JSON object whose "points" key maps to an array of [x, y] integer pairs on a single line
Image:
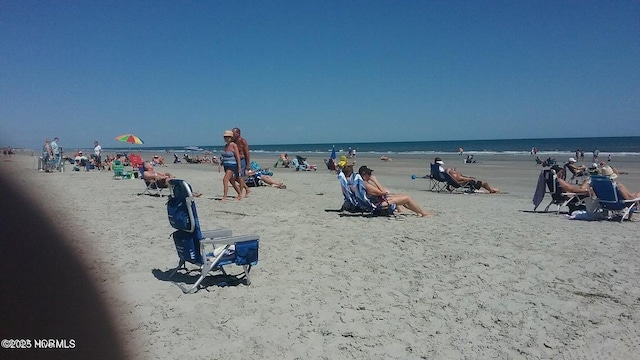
{"points": [[130, 138]]}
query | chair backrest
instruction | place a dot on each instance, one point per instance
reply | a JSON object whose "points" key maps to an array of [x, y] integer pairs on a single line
{"points": [[551, 179], [117, 167], [141, 173], [436, 173], [360, 193], [348, 195], [607, 192], [451, 181], [183, 216], [135, 160]]}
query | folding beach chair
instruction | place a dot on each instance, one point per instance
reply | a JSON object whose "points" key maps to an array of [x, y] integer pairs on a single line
{"points": [[119, 172], [576, 176], [151, 188], [359, 190], [611, 200], [350, 203], [209, 250], [572, 200], [454, 186], [437, 181]]}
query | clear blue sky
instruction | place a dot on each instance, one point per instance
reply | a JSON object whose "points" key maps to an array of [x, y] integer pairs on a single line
{"points": [[180, 72]]}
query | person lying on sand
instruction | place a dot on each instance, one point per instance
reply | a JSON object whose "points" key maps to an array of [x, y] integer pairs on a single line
{"points": [[266, 179]]}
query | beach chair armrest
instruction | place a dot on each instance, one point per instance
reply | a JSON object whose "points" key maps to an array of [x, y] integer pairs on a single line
{"points": [[230, 240], [217, 233], [632, 201], [573, 194]]}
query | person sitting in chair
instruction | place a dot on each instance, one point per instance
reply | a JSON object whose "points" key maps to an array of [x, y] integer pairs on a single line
{"points": [[158, 160], [464, 180], [567, 186], [161, 179], [613, 175], [378, 194], [575, 169], [151, 175]]}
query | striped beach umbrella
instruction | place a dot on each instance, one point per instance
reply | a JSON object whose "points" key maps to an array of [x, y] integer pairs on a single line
{"points": [[130, 138]]}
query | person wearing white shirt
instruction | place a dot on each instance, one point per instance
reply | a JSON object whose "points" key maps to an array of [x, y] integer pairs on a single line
{"points": [[97, 153]]}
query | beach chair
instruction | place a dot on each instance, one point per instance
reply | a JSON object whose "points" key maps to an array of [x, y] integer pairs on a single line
{"points": [[252, 181], [300, 163], [437, 181], [119, 172], [610, 199], [209, 250], [576, 176], [359, 190], [151, 188], [135, 161], [331, 165], [454, 186], [573, 201], [350, 203]]}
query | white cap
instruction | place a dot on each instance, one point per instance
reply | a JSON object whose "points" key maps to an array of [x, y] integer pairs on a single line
{"points": [[572, 160]]}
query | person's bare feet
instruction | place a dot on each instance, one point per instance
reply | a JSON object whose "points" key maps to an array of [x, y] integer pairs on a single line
{"points": [[197, 194], [247, 193], [494, 191], [223, 200], [426, 214]]}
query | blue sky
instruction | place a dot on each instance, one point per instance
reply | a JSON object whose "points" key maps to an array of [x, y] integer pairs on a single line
{"points": [[179, 73]]}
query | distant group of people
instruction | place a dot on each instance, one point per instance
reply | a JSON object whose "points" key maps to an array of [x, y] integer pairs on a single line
{"points": [[7, 151], [585, 188], [196, 160], [94, 161]]}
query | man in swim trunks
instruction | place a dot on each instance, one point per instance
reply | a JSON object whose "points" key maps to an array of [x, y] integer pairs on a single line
{"points": [[243, 149]]}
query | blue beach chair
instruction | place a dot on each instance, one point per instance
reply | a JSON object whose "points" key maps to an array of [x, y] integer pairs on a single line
{"points": [[209, 250], [350, 202], [359, 190], [438, 182], [610, 199]]}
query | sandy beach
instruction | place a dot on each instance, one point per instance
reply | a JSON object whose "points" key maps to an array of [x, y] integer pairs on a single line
{"points": [[484, 278]]}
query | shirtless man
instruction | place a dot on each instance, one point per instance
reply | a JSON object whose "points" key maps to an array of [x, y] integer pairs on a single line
{"points": [[150, 174], [462, 179], [161, 179], [243, 149], [575, 169]]}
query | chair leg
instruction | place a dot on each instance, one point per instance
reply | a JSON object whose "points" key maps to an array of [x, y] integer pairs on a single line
{"points": [[180, 266], [247, 269]]}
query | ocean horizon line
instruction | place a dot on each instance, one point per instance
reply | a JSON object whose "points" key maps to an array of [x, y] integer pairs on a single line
{"points": [[616, 146]]}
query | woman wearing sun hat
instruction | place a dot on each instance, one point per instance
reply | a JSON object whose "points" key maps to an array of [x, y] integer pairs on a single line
{"points": [[612, 174], [230, 160]]}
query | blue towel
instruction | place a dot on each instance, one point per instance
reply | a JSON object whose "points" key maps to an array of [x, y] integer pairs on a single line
{"points": [[540, 190]]}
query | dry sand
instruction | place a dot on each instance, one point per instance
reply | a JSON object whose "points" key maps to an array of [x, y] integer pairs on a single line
{"points": [[484, 278]]}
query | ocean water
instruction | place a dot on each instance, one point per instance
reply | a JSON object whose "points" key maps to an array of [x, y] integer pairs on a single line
{"points": [[616, 146]]}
